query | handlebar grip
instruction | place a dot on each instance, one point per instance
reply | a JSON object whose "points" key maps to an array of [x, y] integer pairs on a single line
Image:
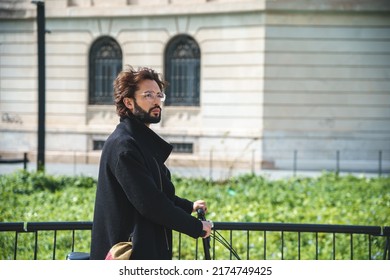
{"points": [[201, 214]]}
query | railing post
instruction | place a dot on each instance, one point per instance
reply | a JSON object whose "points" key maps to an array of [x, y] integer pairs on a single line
{"points": [[295, 162], [380, 164], [337, 162], [15, 244], [36, 245], [211, 166], [74, 162], [25, 160], [253, 162], [386, 253]]}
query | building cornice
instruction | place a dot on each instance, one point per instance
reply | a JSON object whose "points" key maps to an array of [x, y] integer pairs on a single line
{"points": [[62, 8]]}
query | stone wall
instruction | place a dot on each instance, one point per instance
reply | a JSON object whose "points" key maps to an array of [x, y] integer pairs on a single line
{"points": [[276, 77]]}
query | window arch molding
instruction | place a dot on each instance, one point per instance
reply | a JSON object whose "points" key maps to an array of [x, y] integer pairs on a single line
{"points": [[105, 62], [182, 71]]}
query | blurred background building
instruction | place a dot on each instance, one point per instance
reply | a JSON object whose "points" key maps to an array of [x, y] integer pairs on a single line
{"points": [[254, 84]]}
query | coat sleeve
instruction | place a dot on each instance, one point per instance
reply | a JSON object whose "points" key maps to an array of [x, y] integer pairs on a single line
{"points": [[141, 190], [183, 203]]}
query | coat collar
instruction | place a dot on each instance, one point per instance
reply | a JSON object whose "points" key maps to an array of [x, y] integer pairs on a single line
{"points": [[157, 146]]}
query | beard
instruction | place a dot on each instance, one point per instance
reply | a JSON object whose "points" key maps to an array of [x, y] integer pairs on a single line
{"points": [[144, 116]]}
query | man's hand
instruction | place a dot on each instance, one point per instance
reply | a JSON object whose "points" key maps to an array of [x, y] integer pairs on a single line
{"points": [[200, 204], [207, 226]]}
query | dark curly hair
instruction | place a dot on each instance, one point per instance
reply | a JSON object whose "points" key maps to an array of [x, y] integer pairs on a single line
{"points": [[126, 84]]}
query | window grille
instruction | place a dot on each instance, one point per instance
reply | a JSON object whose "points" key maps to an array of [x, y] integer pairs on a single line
{"points": [[98, 145], [184, 148], [182, 71], [105, 62]]}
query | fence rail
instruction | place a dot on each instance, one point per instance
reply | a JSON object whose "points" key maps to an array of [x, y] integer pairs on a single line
{"points": [[291, 246], [32, 244], [23, 160], [251, 241], [216, 165]]}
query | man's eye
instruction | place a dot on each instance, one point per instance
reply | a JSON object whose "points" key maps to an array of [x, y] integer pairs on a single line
{"points": [[149, 95]]}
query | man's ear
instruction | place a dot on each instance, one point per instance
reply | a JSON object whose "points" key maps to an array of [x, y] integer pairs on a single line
{"points": [[129, 103]]}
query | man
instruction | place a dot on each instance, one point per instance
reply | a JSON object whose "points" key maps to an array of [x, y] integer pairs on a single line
{"points": [[135, 198]]}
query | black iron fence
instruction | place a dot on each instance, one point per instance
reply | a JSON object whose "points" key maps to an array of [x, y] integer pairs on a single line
{"points": [[301, 241], [54, 240], [43, 240], [23, 160], [336, 161], [216, 165]]}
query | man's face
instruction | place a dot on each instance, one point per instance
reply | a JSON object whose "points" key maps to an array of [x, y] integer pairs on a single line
{"points": [[146, 105]]}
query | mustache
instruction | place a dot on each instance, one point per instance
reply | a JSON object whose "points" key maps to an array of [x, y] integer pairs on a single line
{"points": [[155, 107]]}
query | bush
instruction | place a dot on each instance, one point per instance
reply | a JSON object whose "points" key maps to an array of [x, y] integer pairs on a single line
{"points": [[326, 199], [39, 197]]}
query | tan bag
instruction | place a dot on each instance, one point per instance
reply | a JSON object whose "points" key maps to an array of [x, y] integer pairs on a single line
{"points": [[120, 251]]}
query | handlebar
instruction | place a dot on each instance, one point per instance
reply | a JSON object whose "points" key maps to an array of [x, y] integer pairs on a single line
{"points": [[201, 214], [206, 241], [202, 217], [220, 238]]}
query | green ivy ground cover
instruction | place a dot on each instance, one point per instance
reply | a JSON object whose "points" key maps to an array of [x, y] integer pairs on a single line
{"points": [[326, 199]]}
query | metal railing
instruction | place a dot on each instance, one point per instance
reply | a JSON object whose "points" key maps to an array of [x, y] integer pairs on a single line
{"points": [[33, 232], [23, 160], [250, 240], [303, 241]]}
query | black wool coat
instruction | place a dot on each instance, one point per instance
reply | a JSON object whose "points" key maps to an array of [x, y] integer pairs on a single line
{"points": [[136, 198]]}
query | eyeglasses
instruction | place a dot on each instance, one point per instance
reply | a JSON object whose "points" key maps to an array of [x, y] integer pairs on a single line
{"points": [[151, 96]]}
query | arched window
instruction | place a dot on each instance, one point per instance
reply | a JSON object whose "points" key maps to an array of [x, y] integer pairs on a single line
{"points": [[105, 62], [182, 71]]}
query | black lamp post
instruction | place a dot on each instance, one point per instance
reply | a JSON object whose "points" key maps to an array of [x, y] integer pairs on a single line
{"points": [[41, 83]]}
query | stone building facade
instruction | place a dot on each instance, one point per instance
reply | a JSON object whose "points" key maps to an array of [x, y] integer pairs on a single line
{"points": [[264, 80]]}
